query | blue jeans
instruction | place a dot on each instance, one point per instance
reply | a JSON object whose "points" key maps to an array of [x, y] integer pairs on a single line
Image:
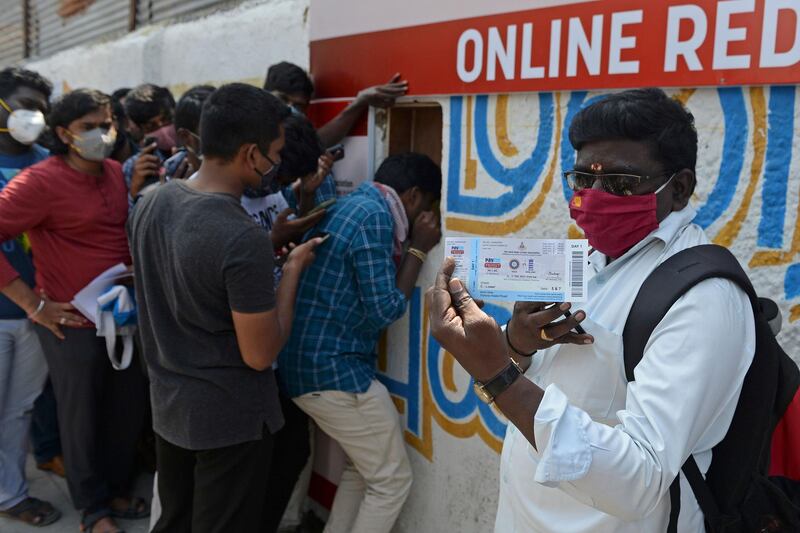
{"points": [[22, 374]]}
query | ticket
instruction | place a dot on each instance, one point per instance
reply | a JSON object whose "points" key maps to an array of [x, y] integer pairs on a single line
{"points": [[533, 270]]}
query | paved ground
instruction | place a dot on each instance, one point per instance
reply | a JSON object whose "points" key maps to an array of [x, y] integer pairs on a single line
{"points": [[52, 488]]}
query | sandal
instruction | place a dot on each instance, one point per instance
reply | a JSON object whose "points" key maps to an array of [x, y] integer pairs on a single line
{"points": [[33, 512], [88, 521], [137, 508]]}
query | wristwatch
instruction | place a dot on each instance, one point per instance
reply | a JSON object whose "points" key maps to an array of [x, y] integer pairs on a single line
{"points": [[490, 390]]}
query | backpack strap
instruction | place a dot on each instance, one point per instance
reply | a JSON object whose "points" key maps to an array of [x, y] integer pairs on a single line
{"points": [[674, 505], [701, 490], [665, 286], [659, 292]]}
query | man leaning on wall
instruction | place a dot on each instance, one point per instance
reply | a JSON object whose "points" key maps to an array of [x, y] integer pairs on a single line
{"points": [[358, 286]]}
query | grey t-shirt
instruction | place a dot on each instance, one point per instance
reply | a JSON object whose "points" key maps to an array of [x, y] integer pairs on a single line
{"points": [[197, 256]]}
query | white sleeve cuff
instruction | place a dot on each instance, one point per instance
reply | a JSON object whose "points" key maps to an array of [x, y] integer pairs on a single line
{"points": [[560, 431]]}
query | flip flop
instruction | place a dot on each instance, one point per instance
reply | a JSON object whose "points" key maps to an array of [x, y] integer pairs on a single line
{"points": [[137, 509], [33, 512]]}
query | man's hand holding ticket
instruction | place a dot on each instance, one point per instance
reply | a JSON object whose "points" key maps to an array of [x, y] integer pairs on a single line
{"points": [[524, 270]]}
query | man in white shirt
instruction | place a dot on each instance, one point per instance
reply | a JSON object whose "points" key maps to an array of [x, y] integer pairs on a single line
{"points": [[586, 451]]}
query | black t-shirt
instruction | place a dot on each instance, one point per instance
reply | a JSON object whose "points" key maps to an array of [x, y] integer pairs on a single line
{"points": [[197, 256]]}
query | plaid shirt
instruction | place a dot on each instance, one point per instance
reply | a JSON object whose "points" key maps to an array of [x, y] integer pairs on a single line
{"points": [[345, 299], [129, 165], [325, 191]]}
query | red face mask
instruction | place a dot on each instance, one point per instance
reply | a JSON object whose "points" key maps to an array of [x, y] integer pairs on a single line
{"points": [[614, 224], [166, 138]]}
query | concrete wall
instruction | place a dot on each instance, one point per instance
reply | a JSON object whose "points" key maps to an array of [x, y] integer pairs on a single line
{"points": [[502, 158], [233, 45], [502, 163]]}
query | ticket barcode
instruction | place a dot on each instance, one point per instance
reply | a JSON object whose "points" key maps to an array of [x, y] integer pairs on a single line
{"points": [[576, 275]]}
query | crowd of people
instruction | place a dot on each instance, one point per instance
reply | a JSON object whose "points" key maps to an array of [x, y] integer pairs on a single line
{"points": [[260, 300], [261, 296]]}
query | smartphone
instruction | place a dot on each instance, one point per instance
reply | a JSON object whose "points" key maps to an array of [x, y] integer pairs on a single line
{"points": [[321, 234], [337, 151], [324, 205], [155, 178]]}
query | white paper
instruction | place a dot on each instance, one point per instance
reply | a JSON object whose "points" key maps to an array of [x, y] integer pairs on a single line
{"points": [[539, 270], [86, 300]]}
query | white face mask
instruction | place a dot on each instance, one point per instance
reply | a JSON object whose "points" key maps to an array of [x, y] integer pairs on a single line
{"points": [[24, 125], [94, 145]]}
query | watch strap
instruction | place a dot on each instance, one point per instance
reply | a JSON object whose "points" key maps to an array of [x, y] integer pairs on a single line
{"points": [[495, 386]]}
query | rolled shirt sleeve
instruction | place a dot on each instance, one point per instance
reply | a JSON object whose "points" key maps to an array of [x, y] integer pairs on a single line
{"points": [[684, 397]]}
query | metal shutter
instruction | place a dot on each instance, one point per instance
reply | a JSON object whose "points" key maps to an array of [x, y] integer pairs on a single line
{"points": [[50, 32], [144, 12], [56, 25], [12, 34], [152, 11]]}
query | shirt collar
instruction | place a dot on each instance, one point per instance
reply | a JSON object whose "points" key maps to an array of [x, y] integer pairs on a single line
{"points": [[667, 230]]}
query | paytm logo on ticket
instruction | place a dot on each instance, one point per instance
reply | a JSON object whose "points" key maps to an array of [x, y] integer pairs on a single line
{"points": [[533, 270]]}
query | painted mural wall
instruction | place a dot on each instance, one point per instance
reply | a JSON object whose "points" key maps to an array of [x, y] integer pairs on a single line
{"points": [[502, 163]]}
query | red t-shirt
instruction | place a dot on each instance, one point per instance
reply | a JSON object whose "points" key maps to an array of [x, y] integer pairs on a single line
{"points": [[75, 223]]}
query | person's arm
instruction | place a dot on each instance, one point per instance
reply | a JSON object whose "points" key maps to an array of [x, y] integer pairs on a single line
{"points": [[408, 273], [141, 168], [532, 321], [285, 231], [262, 334], [370, 253], [316, 188], [40, 309], [686, 385], [23, 206], [379, 96], [479, 345], [426, 233]]}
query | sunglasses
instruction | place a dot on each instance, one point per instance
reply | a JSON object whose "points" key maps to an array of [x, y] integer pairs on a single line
{"points": [[617, 184]]}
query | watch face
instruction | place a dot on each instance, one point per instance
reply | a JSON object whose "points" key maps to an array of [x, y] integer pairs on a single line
{"points": [[481, 392]]}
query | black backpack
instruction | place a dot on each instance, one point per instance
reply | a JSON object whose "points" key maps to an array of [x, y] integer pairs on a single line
{"points": [[736, 496]]}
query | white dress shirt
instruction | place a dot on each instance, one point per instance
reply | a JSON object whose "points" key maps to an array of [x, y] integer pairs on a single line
{"points": [[608, 450]]}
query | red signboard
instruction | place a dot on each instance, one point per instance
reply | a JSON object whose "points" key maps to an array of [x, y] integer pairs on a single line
{"points": [[606, 44]]}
